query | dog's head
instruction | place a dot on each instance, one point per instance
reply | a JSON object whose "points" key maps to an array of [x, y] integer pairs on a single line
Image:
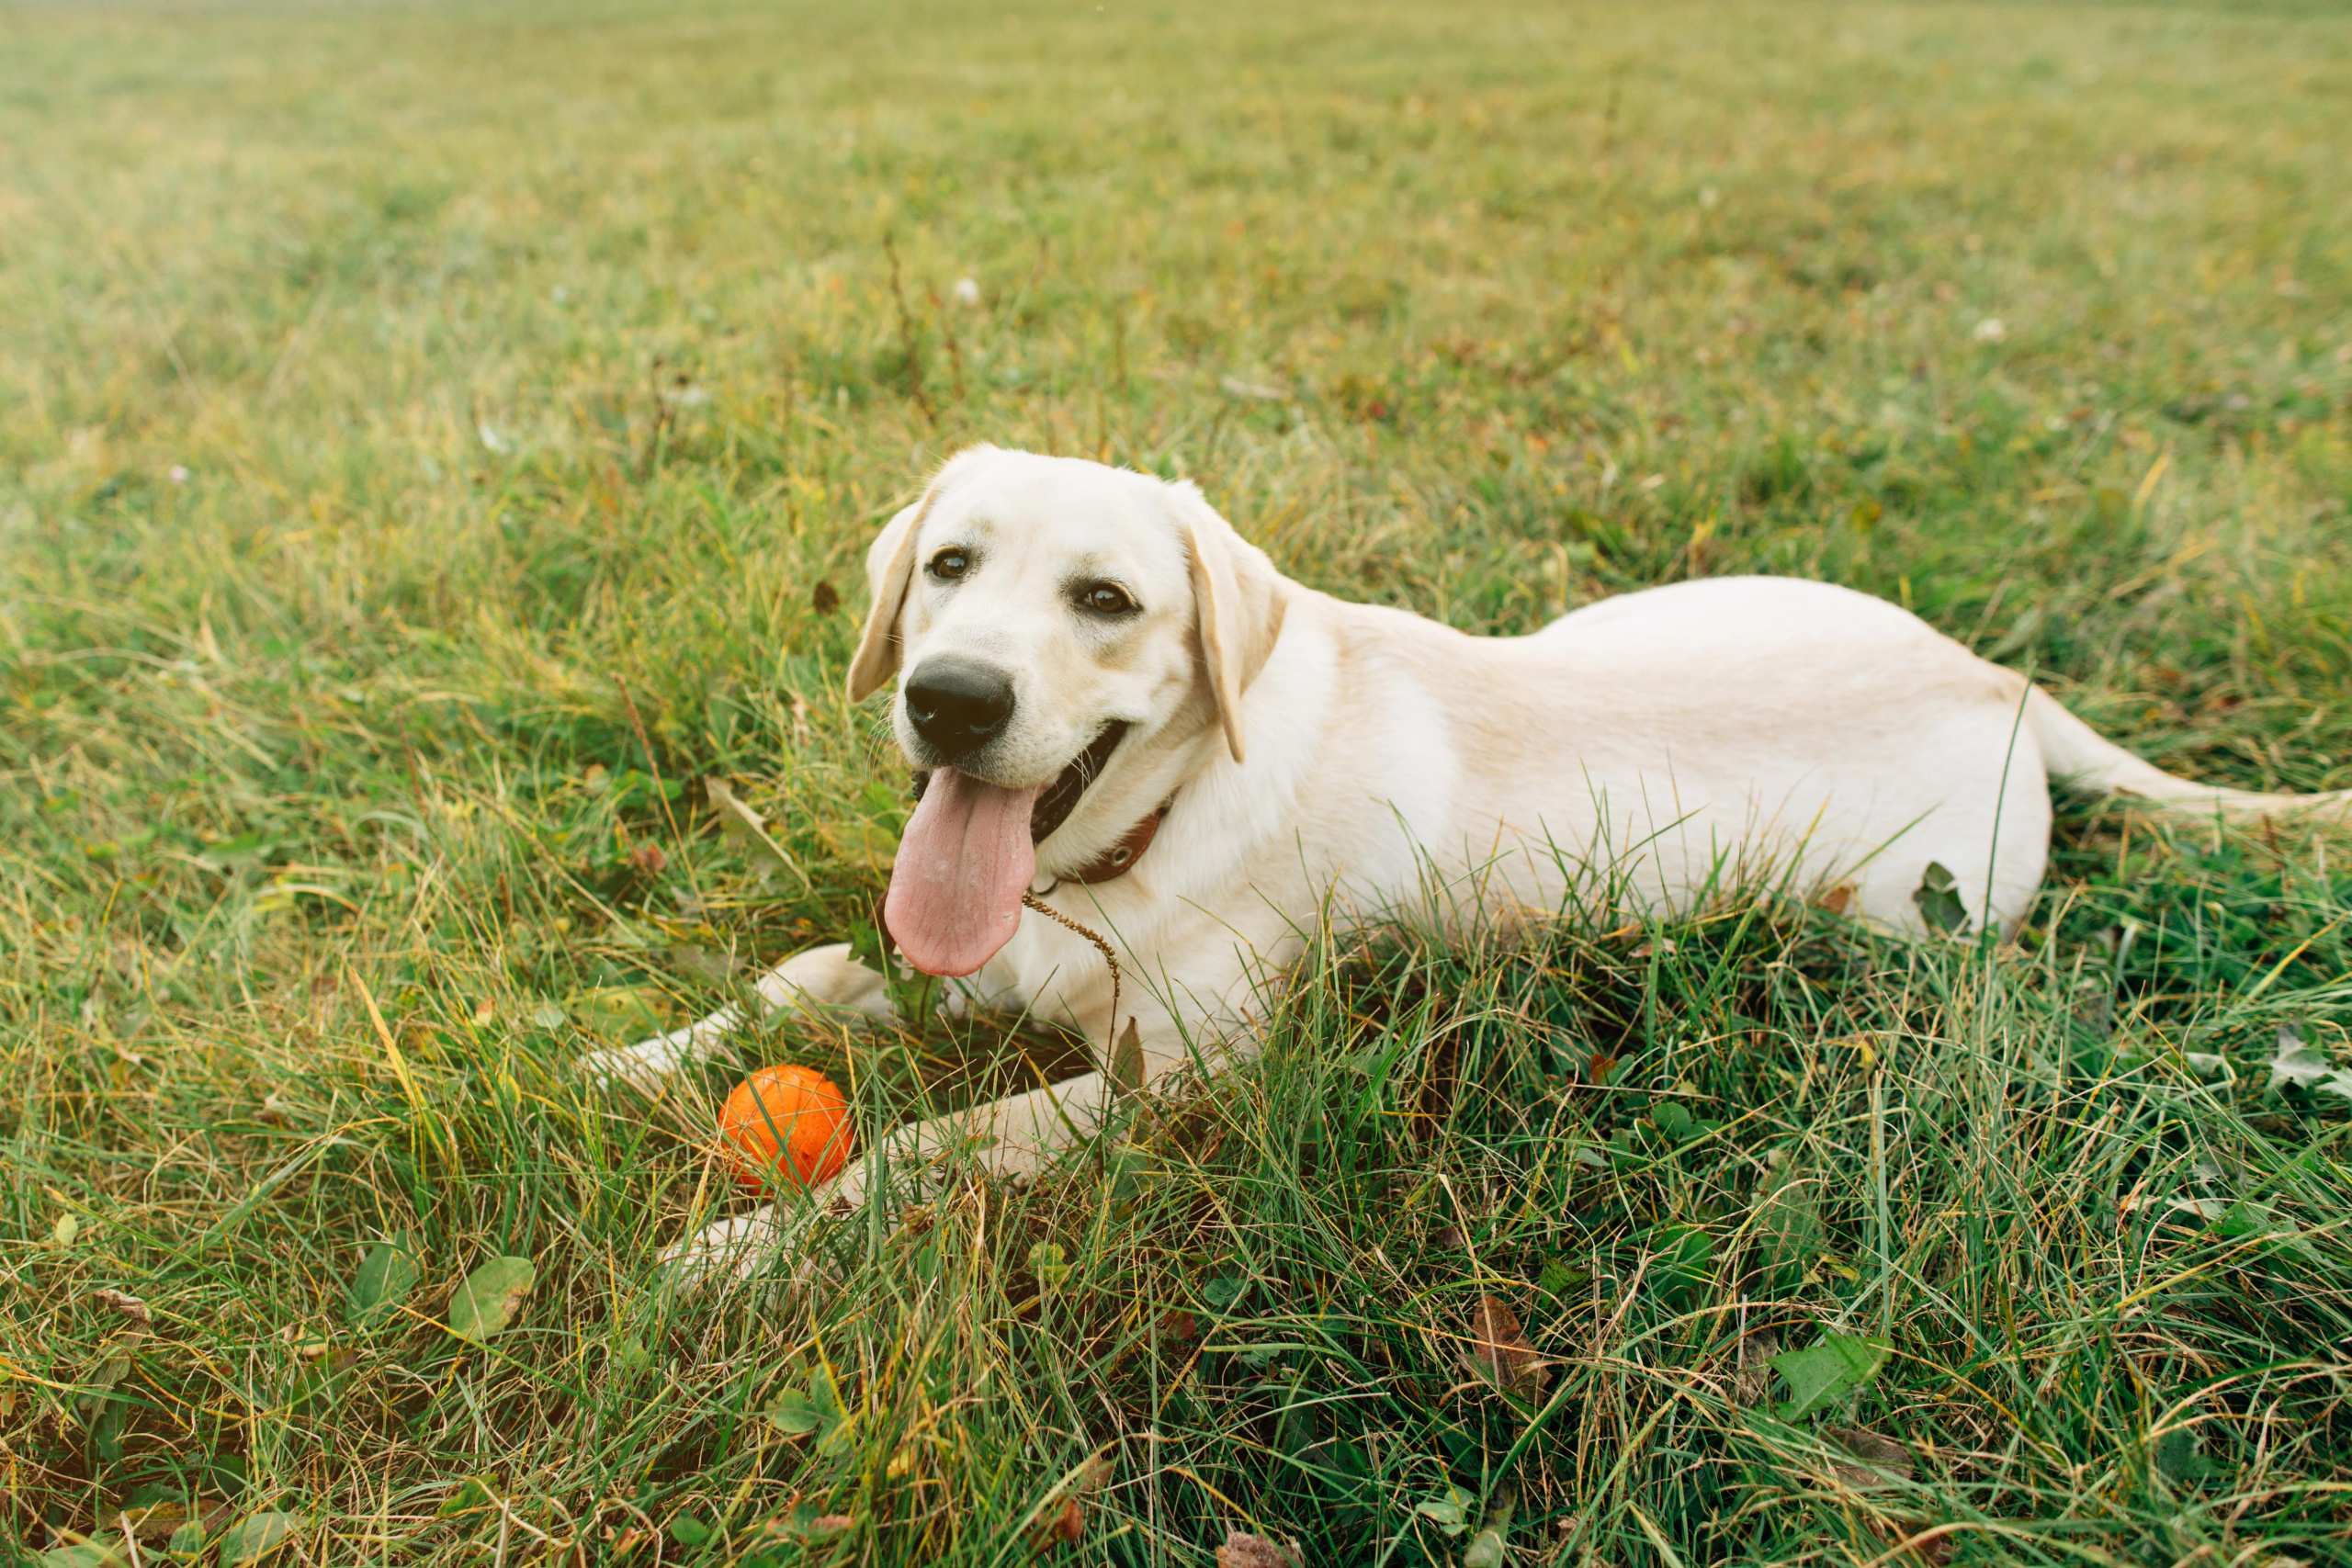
{"points": [[1057, 626]]}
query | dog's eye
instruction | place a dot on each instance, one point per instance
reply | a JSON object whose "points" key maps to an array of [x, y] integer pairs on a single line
{"points": [[1105, 599], [950, 563]]}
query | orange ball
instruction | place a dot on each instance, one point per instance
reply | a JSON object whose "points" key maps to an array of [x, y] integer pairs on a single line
{"points": [[785, 1118]]}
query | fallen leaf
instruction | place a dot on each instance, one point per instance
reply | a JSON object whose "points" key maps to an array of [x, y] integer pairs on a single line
{"points": [[1178, 1324], [795, 1415], [386, 1275], [1926, 1546], [1835, 899], [1559, 1278], [65, 1230], [2175, 1455], [706, 963], [474, 1494], [740, 823], [1128, 1063], [80, 1554], [1252, 391], [1884, 1460], [1450, 1513], [255, 1536], [1242, 1550], [825, 1525], [489, 1297], [1062, 1527], [161, 1521], [130, 1306], [2298, 1064], [1129, 1170], [1752, 1383], [1838, 1366], [1499, 1352], [1049, 1261]]}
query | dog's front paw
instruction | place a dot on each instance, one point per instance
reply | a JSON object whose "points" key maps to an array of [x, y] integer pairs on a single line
{"points": [[649, 1065], [728, 1250], [768, 1243], [629, 1066]]}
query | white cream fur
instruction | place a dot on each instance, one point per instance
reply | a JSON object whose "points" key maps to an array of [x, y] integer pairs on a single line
{"points": [[1654, 749]]}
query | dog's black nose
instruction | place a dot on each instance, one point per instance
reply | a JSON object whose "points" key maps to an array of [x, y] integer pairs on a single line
{"points": [[958, 705]]}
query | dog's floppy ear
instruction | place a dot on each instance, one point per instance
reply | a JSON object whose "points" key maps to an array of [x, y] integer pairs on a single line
{"points": [[1239, 600], [890, 567]]}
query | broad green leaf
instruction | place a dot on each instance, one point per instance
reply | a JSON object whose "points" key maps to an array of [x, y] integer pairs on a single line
{"points": [[186, 1540], [795, 1415], [837, 1432], [2176, 1456], [1487, 1548], [82, 1554], [1451, 1512], [255, 1536], [1684, 1265], [1840, 1366], [1939, 902], [2246, 1219], [1130, 1170], [491, 1296], [1049, 1261], [1559, 1278], [386, 1275], [479, 1492]]}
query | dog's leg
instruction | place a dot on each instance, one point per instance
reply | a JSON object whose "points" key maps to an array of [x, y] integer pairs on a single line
{"points": [[819, 979], [1013, 1137]]}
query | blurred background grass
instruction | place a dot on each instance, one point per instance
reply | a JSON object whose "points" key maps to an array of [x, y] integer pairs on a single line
{"points": [[433, 440]]}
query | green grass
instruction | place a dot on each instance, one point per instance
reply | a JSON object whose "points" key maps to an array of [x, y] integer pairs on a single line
{"points": [[538, 376]]}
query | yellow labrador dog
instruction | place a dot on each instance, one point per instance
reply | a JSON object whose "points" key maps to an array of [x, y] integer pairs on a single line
{"points": [[1121, 710]]}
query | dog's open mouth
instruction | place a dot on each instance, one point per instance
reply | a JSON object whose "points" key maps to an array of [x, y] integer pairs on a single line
{"points": [[1054, 807], [1059, 798], [968, 855]]}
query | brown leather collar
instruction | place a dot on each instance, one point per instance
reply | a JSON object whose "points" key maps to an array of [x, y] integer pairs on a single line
{"points": [[1121, 857]]}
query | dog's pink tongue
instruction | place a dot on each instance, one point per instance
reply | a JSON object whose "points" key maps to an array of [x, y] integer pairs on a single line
{"points": [[963, 863]]}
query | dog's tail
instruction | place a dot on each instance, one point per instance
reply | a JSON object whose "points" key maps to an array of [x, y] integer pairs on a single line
{"points": [[2073, 751]]}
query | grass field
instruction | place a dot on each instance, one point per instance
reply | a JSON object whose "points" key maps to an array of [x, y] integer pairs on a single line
{"points": [[433, 440]]}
